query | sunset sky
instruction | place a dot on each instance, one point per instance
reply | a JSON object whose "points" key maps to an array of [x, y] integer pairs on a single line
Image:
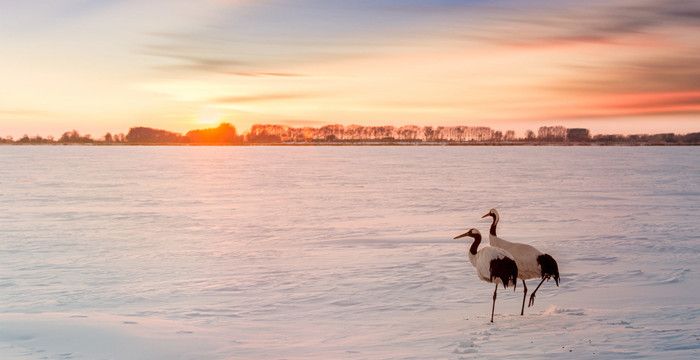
{"points": [[106, 65]]}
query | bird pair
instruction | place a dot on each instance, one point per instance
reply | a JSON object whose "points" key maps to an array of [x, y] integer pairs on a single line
{"points": [[504, 262]]}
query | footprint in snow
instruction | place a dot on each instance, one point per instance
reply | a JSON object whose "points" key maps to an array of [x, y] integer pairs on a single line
{"points": [[465, 347]]}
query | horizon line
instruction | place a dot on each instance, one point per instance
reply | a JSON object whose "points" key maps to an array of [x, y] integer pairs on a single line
{"points": [[319, 126]]}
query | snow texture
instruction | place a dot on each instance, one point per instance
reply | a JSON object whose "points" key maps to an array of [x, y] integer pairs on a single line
{"points": [[344, 252]]}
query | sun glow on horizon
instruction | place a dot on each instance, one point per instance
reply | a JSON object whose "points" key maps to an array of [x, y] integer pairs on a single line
{"points": [[209, 117]]}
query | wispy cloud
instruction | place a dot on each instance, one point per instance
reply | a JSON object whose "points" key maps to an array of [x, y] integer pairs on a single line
{"points": [[562, 23], [266, 74], [20, 113], [302, 122], [244, 99], [187, 52], [193, 59]]}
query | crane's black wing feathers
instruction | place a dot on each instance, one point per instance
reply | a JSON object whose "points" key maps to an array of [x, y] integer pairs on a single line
{"points": [[505, 269], [549, 267]]}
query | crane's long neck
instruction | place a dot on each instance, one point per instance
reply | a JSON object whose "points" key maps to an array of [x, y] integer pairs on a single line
{"points": [[475, 245], [493, 225]]}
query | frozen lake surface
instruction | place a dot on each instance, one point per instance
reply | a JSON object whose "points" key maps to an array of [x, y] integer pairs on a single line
{"points": [[343, 252]]}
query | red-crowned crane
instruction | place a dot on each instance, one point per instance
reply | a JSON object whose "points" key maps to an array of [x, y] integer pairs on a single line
{"points": [[492, 264], [532, 263]]}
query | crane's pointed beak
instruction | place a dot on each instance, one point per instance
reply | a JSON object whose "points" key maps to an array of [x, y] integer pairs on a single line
{"points": [[461, 236], [489, 214]]}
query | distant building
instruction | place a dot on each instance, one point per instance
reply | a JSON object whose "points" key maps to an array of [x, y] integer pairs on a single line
{"points": [[578, 134]]}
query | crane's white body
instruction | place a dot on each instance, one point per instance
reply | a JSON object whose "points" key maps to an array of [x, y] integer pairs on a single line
{"points": [[482, 262], [525, 257], [532, 263], [492, 264]]}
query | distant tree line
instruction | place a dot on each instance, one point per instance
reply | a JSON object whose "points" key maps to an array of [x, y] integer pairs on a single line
{"points": [[226, 134], [276, 134]]}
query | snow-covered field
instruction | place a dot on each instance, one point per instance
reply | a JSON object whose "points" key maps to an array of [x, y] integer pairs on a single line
{"points": [[343, 252]]}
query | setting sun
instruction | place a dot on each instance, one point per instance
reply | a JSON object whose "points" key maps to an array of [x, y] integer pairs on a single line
{"points": [[208, 117]]}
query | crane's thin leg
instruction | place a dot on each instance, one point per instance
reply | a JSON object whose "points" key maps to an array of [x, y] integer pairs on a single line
{"points": [[532, 297], [493, 307], [522, 309]]}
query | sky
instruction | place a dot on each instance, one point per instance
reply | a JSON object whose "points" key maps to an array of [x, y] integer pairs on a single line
{"points": [[106, 65]]}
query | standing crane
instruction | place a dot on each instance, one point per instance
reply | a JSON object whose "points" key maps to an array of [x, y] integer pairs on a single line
{"points": [[532, 263], [492, 264]]}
